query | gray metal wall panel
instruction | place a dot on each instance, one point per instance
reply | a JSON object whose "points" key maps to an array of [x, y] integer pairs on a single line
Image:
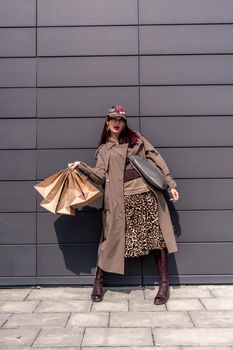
{"points": [[199, 162], [196, 69], [17, 72], [84, 12], [85, 227], [190, 226], [188, 131], [186, 100], [18, 103], [185, 11], [17, 196], [196, 194], [87, 71], [114, 280], [18, 165], [20, 133], [205, 194], [75, 102], [18, 228], [17, 260], [68, 41], [50, 161], [196, 262], [69, 133], [17, 13], [186, 39], [16, 42], [203, 226], [183, 162], [68, 260], [85, 280], [18, 281]]}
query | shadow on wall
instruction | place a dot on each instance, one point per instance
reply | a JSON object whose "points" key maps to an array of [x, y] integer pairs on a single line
{"points": [[78, 237]]}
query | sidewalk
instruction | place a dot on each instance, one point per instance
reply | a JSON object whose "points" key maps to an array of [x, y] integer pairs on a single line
{"points": [[195, 318]]}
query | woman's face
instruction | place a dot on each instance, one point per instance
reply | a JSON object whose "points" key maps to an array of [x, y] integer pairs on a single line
{"points": [[116, 125]]}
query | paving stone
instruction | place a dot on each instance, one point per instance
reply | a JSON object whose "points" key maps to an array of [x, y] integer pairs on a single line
{"points": [[145, 305], [38, 320], [52, 348], [60, 293], [150, 319], [123, 294], [107, 305], [225, 291], [205, 348], [193, 336], [17, 337], [58, 348], [14, 293], [4, 318], [181, 292], [184, 305], [210, 319], [117, 337], [218, 304], [54, 337], [64, 306], [18, 306], [89, 319], [133, 348]]}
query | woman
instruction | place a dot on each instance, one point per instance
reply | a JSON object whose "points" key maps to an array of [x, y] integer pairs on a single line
{"points": [[136, 218]]}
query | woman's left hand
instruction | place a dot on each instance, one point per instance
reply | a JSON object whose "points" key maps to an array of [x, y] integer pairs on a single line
{"points": [[174, 195]]}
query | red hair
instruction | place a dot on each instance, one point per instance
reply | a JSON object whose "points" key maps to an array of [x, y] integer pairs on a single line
{"points": [[126, 136]]}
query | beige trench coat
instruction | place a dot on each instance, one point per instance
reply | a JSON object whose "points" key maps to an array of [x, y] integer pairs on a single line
{"points": [[109, 170]]}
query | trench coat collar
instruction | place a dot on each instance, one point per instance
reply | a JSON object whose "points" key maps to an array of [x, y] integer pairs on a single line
{"points": [[109, 144]]}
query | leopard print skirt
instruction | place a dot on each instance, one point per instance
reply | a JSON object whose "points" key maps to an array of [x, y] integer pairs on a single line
{"points": [[143, 232]]}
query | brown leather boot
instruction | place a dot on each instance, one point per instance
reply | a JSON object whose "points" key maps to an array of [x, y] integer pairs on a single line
{"points": [[97, 292], [161, 258]]}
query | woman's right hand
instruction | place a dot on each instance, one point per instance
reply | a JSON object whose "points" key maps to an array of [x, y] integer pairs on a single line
{"points": [[74, 165]]}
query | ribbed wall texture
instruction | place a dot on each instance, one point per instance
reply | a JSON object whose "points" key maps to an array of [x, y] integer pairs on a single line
{"points": [[63, 63]]}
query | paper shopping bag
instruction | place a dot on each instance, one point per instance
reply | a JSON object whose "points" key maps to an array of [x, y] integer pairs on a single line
{"points": [[45, 187], [52, 198], [81, 191], [66, 190], [63, 206]]}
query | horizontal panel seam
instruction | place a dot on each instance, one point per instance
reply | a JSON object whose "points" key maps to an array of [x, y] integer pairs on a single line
{"points": [[121, 25], [108, 86], [126, 55]]}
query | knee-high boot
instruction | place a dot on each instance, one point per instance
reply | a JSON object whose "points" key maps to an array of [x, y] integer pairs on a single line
{"points": [[161, 259], [97, 292]]}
